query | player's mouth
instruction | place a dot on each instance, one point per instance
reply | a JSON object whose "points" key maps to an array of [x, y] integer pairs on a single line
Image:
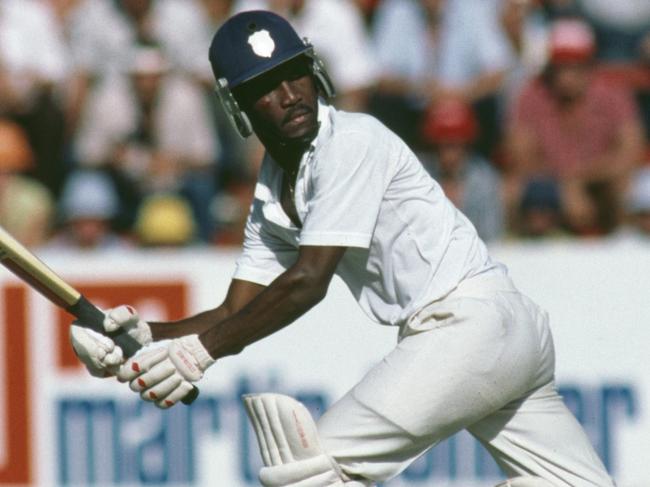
{"points": [[297, 116]]}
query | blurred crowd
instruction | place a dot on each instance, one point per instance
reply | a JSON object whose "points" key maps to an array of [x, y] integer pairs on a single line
{"points": [[534, 115]]}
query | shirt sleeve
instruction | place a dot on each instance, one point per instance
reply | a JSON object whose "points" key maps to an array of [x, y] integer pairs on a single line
{"points": [[264, 256], [348, 183]]}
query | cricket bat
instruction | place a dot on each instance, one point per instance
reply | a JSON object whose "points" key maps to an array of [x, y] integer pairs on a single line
{"points": [[29, 268]]}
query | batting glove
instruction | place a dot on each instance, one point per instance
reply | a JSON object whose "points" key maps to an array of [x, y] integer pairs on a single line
{"points": [[127, 317], [164, 375], [99, 353]]}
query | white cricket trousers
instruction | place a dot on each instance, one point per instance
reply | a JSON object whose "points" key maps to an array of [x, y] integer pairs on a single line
{"points": [[480, 359]]}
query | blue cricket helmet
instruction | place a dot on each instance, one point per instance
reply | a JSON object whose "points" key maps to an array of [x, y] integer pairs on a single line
{"points": [[251, 43]]}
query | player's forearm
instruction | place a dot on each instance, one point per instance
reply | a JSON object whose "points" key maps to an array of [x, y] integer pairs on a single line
{"points": [[196, 324], [287, 298]]}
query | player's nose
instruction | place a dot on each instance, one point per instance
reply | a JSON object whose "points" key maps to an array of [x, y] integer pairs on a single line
{"points": [[288, 94]]}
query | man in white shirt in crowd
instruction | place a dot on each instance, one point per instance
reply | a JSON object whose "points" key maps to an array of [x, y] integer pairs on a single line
{"points": [[338, 193]]}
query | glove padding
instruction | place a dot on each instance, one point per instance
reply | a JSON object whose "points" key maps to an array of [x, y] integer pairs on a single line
{"points": [[99, 353], [101, 356], [127, 318], [164, 375]]}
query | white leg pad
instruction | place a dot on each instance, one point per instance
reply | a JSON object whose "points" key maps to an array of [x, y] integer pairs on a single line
{"points": [[314, 472], [289, 444], [526, 482]]}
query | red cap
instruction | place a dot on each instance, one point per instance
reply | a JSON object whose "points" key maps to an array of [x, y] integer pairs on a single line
{"points": [[450, 120], [571, 41]]}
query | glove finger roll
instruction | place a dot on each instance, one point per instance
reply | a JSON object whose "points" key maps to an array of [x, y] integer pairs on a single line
{"points": [[176, 395], [141, 363], [151, 378], [114, 358], [122, 316], [162, 389], [90, 340]]}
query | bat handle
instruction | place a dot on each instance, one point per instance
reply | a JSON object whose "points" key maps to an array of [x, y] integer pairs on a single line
{"points": [[92, 317]]}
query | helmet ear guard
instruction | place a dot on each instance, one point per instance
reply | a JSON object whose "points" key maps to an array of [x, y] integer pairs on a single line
{"points": [[320, 72], [238, 117]]}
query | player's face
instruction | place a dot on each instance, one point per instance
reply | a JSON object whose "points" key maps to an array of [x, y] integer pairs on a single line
{"points": [[283, 103]]}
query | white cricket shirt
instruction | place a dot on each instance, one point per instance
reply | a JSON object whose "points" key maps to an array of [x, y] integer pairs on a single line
{"points": [[361, 187]]}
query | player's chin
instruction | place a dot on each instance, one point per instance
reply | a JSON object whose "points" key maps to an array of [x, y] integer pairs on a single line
{"points": [[300, 133]]}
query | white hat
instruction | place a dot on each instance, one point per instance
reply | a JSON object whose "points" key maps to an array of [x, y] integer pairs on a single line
{"points": [[638, 197], [88, 194]]}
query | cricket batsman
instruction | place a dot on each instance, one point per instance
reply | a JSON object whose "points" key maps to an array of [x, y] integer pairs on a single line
{"points": [[339, 193]]}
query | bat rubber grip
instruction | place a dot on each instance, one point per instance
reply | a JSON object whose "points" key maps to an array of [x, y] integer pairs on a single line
{"points": [[92, 317]]}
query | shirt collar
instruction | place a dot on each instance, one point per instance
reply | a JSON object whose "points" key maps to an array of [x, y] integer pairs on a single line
{"points": [[324, 124]]}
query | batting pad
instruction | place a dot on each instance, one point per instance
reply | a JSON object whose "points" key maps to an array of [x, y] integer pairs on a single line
{"points": [[288, 441]]}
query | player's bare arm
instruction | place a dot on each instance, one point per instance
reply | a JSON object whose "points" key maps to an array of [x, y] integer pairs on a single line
{"points": [[239, 294], [288, 297], [165, 375]]}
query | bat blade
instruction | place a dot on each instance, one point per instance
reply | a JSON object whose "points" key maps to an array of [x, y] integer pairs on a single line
{"points": [[24, 264], [29, 268]]}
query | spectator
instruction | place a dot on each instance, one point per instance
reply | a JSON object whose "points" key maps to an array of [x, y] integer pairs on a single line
{"points": [[32, 66], [469, 181], [87, 208], [26, 206], [336, 28], [153, 130], [558, 9], [405, 34], [104, 32], [638, 205], [237, 164], [540, 210], [473, 57], [643, 84], [578, 129], [474, 63], [101, 34], [619, 27], [367, 8], [431, 49], [526, 35]]}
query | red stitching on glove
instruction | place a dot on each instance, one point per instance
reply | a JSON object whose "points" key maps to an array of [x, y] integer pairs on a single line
{"points": [[135, 367], [152, 395], [141, 383]]}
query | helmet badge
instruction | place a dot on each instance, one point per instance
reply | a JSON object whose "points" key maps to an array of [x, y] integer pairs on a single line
{"points": [[262, 43]]}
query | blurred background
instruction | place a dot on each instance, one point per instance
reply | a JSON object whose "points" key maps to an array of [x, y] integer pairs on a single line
{"points": [[534, 115], [120, 169]]}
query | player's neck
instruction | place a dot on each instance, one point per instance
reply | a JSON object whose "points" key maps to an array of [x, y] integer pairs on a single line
{"points": [[288, 156]]}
